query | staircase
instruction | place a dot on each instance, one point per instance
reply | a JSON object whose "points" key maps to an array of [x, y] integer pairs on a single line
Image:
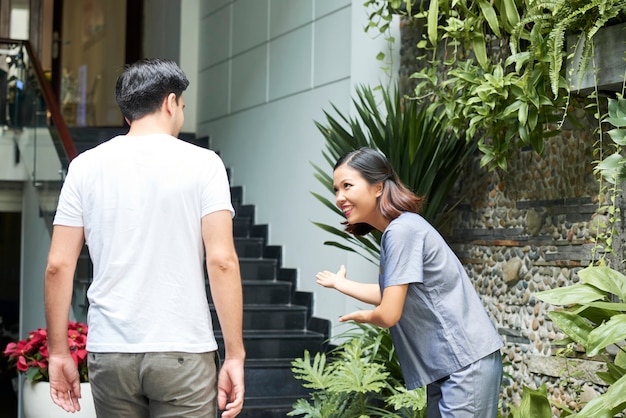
{"points": [[277, 322]]}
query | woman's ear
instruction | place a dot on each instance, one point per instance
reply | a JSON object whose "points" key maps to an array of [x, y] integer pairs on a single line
{"points": [[379, 189]]}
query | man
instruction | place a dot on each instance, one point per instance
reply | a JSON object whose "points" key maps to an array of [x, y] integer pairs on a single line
{"points": [[150, 208]]}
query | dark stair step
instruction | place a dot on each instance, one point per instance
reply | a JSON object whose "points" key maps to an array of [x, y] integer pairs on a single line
{"points": [[249, 247], [271, 389], [278, 345], [270, 317], [265, 411], [264, 292], [241, 226], [258, 268], [252, 269]]}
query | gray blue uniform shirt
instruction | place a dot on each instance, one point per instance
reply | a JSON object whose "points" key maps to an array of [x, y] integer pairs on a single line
{"points": [[444, 326]]}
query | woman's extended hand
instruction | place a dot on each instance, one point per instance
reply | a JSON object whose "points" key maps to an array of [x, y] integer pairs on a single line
{"points": [[363, 317], [329, 279]]}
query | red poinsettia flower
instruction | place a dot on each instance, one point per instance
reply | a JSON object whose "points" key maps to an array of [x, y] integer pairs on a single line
{"points": [[30, 356]]}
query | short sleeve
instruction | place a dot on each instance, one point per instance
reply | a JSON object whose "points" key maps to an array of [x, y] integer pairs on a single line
{"points": [[402, 254], [216, 193], [69, 209]]}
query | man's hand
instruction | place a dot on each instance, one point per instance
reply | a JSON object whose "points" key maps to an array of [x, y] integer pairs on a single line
{"points": [[64, 382], [230, 388]]}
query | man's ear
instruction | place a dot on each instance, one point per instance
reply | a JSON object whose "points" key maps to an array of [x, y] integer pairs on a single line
{"points": [[170, 103]]}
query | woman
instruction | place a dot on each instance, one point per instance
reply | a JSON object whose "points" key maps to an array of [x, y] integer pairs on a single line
{"points": [[443, 337]]}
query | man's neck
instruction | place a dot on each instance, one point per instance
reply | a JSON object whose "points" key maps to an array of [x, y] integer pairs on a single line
{"points": [[150, 125]]}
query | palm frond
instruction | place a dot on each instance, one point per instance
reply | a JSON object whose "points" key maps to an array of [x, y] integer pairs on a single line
{"points": [[427, 156]]}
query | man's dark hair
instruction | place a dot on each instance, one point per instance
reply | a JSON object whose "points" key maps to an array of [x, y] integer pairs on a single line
{"points": [[142, 87]]}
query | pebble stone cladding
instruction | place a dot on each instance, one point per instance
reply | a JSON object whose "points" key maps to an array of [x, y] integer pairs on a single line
{"points": [[528, 229]]}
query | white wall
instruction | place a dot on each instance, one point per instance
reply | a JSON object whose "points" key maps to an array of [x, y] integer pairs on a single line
{"points": [[35, 245], [162, 29], [9, 169], [189, 12], [171, 31], [267, 70]]}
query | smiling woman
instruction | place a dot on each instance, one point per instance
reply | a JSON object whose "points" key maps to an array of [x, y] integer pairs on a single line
{"points": [[442, 335]]}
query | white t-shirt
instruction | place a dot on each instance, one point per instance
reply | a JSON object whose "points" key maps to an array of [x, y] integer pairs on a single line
{"points": [[140, 200]]}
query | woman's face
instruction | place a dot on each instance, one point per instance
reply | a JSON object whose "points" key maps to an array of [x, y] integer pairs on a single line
{"points": [[356, 198]]}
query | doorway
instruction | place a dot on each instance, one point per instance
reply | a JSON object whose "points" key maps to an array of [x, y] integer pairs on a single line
{"points": [[10, 247], [91, 42]]}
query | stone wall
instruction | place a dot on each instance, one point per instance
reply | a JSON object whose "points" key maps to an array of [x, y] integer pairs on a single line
{"points": [[525, 230]]}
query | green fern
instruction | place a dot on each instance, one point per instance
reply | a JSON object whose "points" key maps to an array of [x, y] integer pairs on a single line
{"points": [[360, 377]]}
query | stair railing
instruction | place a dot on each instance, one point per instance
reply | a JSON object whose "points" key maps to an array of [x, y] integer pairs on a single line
{"points": [[34, 121], [31, 116]]}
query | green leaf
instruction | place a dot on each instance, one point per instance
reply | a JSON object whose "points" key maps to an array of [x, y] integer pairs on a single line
{"points": [[617, 111], [612, 168], [606, 334], [608, 404], [618, 136], [512, 15], [614, 307], [316, 373], [522, 114], [620, 360], [490, 16], [606, 279], [575, 326], [613, 371], [480, 50], [534, 403], [433, 21], [579, 293]]}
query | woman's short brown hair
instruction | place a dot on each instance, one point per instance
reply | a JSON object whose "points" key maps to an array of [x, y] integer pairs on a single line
{"points": [[375, 168]]}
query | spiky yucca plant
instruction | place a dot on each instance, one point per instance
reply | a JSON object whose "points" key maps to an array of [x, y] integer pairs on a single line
{"points": [[427, 157]]}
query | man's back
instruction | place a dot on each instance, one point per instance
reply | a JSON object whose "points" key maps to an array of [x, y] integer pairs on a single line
{"points": [[147, 205], [142, 199]]}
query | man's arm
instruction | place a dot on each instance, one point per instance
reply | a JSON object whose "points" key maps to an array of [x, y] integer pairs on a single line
{"points": [[65, 249], [225, 282]]}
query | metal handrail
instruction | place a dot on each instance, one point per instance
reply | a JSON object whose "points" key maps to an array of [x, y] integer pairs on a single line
{"points": [[55, 117]]}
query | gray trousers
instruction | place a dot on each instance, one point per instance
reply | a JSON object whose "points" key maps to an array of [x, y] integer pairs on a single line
{"points": [[154, 385], [471, 392]]}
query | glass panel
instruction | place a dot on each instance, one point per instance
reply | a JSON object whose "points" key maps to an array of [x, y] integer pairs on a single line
{"points": [[92, 55], [30, 124], [27, 118]]}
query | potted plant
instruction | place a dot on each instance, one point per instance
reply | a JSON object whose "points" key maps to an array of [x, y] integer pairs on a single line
{"points": [[30, 358]]}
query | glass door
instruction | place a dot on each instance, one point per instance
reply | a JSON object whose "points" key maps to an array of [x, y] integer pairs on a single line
{"points": [[92, 40]]}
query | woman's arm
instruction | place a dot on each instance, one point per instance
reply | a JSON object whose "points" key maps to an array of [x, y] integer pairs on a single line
{"points": [[365, 292], [385, 315]]}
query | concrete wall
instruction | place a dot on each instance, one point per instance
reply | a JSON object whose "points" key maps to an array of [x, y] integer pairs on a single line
{"points": [[267, 70]]}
